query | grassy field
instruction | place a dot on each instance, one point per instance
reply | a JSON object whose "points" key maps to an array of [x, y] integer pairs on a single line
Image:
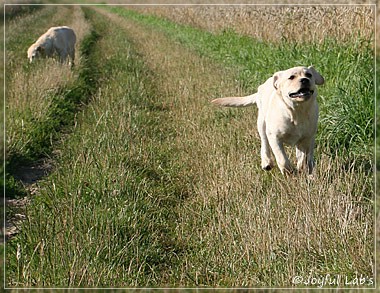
{"points": [[274, 23], [154, 187]]}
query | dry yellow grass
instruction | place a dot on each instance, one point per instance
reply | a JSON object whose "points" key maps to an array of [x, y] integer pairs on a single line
{"points": [[269, 21], [275, 23]]}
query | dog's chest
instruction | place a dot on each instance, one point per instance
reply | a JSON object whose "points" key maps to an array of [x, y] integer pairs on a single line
{"points": [[291, 129], [291, 134]]}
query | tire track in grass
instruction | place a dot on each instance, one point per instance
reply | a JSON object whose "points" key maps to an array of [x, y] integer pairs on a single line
{"points": [[153, 160], [25, 93], [40, 97]]}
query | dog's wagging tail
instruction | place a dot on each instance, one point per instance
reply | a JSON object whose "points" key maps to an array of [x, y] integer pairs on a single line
{"points": [[236, 101]]}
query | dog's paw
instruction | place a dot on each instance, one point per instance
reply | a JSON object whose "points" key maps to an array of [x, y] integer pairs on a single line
{"points": [[267, 167], [267, 164]]}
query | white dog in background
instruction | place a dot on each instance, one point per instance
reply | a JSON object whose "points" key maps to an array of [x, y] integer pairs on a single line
{"points": [[60, 40], [287, 114]]}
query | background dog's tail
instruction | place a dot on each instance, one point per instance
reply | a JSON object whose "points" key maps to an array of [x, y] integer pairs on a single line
{"points": [[236, 101]]}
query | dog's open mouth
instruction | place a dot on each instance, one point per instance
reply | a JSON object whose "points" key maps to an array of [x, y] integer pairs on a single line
{"points": [[302, 93]]}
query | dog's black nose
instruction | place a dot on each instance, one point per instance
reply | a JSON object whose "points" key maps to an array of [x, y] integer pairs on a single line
{"points": [[304, 81]]}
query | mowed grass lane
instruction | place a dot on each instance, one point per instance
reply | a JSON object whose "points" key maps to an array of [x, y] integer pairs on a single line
{"points": [[157, 188]]}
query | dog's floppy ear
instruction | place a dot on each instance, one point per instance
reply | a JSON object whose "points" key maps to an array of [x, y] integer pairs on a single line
{"points": [[319, 80], [276, 78]]}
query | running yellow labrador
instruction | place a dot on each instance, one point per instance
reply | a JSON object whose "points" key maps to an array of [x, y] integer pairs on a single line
{"points": [[287, 114]]}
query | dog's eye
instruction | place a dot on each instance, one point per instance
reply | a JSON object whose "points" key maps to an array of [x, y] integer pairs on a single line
{"points": [[292, 77], [308, 75]]}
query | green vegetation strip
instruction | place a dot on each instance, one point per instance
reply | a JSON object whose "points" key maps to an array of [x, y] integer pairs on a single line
{"points": [[13, 11], [346, 100]]}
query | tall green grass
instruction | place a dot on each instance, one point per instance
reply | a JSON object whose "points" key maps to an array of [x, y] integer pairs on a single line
{"points": [[64, 103], [346, 100]]}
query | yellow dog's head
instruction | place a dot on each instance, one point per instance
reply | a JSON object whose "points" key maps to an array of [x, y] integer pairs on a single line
{"points": [[35, 51], [298, 83]]}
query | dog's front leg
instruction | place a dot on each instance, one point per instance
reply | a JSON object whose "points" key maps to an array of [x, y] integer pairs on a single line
{"points": [[279, 152], [266, 156], [266, 160], [305, 154], [301, 159]]}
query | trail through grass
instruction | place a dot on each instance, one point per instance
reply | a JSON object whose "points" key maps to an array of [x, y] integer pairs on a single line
{"points": [[156, 188]]}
